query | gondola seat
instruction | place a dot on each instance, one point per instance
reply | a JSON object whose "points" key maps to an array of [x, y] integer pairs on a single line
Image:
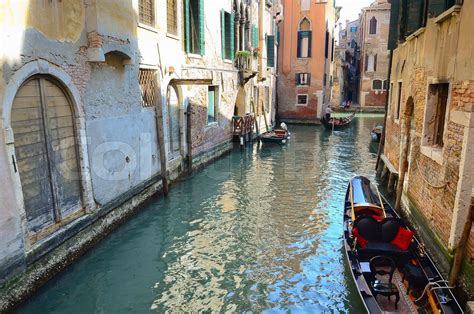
{"points": [[385, 237]]}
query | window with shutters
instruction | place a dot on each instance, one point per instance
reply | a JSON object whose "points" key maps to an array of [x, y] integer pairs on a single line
{"points": [[254, 36], [148, 86], [194, 26], [227, 33], [304, 39], [303, 79], [212, 105], [373, 26], [436, 7], [146, 12], [302, 99], [435, 116], [270, 51], [172, 17]]}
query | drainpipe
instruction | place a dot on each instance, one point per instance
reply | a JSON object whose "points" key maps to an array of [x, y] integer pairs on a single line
{"points": [[461, 249]]}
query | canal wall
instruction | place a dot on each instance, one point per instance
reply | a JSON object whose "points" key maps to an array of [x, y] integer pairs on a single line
{"points": [[65, 247]]}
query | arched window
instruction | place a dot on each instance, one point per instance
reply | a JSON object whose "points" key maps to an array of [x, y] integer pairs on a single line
{"points": [[373, 25], [304, 39]]}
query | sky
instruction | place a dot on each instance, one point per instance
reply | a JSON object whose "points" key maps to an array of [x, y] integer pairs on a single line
{"points": [[351, 9]]}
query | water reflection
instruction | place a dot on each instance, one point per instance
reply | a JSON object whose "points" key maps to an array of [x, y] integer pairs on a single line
{"points": [[258, 231]]}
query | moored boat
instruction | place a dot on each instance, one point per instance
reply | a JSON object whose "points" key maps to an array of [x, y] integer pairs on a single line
{"points": [[279, 136], [337, 123], [376, 133], [390, 267]]}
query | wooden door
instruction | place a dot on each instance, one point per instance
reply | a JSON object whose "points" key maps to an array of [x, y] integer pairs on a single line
{"points": [[46, 154]]}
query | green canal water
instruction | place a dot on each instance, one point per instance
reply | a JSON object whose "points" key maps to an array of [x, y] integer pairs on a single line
{"points": [[256, 231]]}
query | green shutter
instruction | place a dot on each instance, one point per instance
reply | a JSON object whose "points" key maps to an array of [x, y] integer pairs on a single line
{"points": [[271, 51], [223, 33], [211, 114], [187, 32], [436, 7], [394, 26], [231, 39], [415, 16], [202, 50], [254, 36]]}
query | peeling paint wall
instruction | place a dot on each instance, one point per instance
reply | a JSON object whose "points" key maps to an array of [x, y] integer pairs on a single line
{"points": [[116, 137]]}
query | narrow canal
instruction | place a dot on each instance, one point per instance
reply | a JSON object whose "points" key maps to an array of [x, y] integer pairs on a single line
{"points": [[255, 231]]}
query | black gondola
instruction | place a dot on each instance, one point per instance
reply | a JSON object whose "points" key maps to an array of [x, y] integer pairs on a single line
{"points": [[337, 123], [390, 267], [376, 133]]}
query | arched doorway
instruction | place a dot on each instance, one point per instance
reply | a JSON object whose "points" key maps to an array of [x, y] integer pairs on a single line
{"points": [[44, 133], [173, 120]]}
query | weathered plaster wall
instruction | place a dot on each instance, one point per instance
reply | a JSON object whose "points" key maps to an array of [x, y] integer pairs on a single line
{"points": [[50, 38]]}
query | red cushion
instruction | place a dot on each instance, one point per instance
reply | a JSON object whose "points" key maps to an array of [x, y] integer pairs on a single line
{"points": [[360, 239], [402, 239], [378, 218]]}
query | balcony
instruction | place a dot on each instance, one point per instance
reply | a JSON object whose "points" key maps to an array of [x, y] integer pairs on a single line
{"points": [[245, 66]]}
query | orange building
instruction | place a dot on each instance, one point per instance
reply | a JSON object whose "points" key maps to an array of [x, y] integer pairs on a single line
{"points": [[305, 59]]}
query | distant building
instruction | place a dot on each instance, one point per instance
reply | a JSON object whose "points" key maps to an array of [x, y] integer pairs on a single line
{"points": [[348, 59], [374, 54], [305, 59], [430, 123]]}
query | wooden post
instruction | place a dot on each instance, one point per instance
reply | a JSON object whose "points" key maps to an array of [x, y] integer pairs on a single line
{"points": [[461, 249], [189, 142], [391, 182], [161, 146]]}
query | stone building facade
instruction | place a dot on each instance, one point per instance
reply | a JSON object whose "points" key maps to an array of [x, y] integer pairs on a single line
{"points": [[305, 61], [430, 122], [374, 54], [103, 101], [347, 61]]}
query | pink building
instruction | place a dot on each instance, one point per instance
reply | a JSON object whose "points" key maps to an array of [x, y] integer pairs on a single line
{"points": [[305, 59]]}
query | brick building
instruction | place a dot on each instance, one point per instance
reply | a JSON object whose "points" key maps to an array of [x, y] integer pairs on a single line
{"points": [[430, 122], [102, 100], [374, 54], [305, 59]]}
